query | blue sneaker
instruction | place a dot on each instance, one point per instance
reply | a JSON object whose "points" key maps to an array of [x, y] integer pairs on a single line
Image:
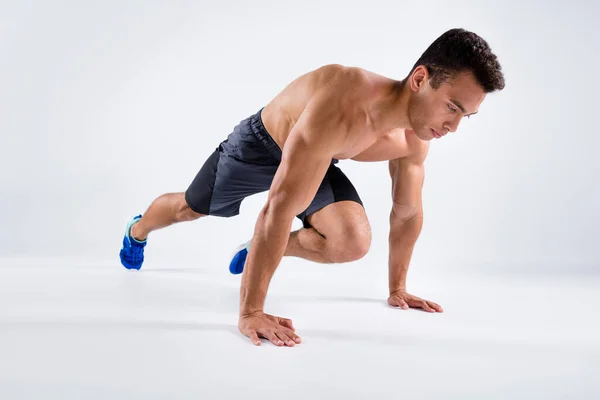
{"points": [[238, 259], [132, 253]]}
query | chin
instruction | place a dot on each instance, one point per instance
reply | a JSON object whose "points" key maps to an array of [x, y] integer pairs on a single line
{"points": [[424, 134]]}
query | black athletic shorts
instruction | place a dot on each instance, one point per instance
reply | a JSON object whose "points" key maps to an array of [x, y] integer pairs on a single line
{"points": [[245, 164]]}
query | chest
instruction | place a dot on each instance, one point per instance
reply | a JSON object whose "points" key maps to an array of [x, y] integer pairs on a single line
{"points": [[388, 147]]}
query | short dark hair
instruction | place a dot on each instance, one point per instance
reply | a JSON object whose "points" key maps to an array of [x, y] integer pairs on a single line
{"points": [[459, 50]]}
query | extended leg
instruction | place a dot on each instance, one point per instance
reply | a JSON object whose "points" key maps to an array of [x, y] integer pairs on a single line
{"points": [[166, 210]]}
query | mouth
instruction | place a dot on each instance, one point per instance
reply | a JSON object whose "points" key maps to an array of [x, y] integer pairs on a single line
{"points": [[436, 134]]}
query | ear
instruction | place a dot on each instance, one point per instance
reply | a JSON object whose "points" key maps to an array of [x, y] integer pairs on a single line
{"points": [[418, 78]]}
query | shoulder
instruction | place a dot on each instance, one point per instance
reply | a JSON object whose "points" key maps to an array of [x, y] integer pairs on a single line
{"points": [[341, 77], [337, 96], [417, 151]]}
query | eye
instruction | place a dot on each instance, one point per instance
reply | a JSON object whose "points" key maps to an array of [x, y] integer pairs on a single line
{"points": [[452, 108]]}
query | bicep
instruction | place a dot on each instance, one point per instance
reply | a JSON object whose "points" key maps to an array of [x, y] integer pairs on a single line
{"points": [[305, 158], [407, 183], [299, 175], [318, 134]]}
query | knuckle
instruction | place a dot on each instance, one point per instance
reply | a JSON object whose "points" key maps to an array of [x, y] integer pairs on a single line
{"points": [[284, 332]]}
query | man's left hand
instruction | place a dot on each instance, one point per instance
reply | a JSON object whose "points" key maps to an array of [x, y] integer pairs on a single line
{"points": [[405, 300]]}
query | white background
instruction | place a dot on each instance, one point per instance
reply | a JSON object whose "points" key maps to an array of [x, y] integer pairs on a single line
{"points": [[106, 105]]}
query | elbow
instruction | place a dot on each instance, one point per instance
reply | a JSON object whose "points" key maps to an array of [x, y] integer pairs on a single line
{"points": [[274, 219], [279, 209], [403, 213]]}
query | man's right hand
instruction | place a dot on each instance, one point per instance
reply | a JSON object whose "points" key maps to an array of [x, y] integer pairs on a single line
{"points": [[279, 331]]}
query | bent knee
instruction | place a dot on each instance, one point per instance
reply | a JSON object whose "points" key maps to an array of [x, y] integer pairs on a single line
{"points": [[358, 246], [183, 210], [352, 246]]}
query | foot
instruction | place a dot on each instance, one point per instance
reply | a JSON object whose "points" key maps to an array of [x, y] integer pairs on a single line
{"points": [[238, 259], [132, 252]]}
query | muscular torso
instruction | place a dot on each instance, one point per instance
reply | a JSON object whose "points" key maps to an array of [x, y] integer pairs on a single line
{"points": [[365, 142]]}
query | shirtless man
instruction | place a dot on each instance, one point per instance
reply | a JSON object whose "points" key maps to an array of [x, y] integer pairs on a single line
{"points": [[290, 148]]}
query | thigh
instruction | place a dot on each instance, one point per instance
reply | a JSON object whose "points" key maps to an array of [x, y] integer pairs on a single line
{"points": [[235, 180], [336, 206], [244, 164], [227, 178], [340, 221]]}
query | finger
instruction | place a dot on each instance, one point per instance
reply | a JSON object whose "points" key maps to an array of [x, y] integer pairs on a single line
{"points": [[415, 302], [426, 307], [285, 338], [403, 304], [287, 323], [270, 335], [254, 337], [393, 301], [399, 302], [435, 306], [293, 335]]}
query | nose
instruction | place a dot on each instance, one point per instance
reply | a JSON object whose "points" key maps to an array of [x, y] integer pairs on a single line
{"points": [[452, 126]]}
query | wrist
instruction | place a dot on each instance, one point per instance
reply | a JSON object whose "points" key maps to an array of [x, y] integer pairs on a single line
{"points": [[397, 276], [251, 300], [397, 290], [249, 308], [246, 313]]}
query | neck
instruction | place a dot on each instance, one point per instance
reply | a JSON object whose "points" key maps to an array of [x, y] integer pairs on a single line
{"points": [[390, 111]]}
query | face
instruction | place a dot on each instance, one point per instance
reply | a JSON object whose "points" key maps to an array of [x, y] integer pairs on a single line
{"points": [[435, 112]]}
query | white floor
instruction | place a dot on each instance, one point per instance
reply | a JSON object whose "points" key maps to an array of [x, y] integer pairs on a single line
{"points": [[73, 330]]}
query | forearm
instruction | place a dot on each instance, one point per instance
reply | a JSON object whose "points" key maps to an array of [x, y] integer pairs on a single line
{"points": [[268, 246], [403, 237]]}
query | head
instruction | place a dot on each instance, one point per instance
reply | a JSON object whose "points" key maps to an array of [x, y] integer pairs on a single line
{"points": [[450, 81]]}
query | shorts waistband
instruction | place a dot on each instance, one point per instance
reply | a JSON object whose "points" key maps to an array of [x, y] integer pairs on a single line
{"points": [[258, 129]]}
